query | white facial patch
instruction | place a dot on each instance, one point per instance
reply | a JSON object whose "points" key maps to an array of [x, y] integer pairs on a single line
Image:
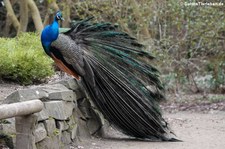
{"points": [[58, 17]]}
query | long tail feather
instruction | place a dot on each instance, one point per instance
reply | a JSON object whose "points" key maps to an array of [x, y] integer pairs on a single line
{"points": [[125, 107], [117, 79]]}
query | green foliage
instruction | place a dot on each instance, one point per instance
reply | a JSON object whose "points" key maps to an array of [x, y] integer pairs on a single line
{"points": [[56, 132], [3, 121], [217, 71], [216, 98], [131, 16], [23, 59], [6, 139], [188, 41]]}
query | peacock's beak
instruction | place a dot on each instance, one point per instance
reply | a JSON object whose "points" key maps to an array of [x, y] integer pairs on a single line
{"points": [[60, 18]]}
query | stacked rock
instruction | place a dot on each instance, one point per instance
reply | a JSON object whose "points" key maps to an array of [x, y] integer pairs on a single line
{"points": [[68, 114]]}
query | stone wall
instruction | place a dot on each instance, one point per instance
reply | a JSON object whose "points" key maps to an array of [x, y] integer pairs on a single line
{"points": [[68, 115]]}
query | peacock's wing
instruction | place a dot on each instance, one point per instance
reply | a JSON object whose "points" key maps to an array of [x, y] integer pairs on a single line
{"points": [[114, 69], [63, 30]]}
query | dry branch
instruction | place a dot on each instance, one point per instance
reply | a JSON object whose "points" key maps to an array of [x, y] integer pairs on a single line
{"points": [[11, 15], [66, 13], [52, 5], [23, 16], [35, 15]]}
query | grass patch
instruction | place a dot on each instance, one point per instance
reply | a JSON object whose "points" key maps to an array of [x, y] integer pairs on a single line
{"points": [[23, 59]]}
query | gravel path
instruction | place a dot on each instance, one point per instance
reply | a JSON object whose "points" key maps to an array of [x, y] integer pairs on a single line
{"points": [[197, 130], [8, 88]]}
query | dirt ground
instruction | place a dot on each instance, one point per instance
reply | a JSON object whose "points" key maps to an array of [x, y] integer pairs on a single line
{"points": [[199, 124], [196, 130], [8, 88]]}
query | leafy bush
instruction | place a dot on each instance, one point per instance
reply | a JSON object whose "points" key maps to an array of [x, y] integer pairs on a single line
{"points": [[187, 41], [22, 59]]}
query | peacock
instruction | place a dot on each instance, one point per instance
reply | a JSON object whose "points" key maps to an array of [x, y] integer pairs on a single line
{"points": [[115, 70]]}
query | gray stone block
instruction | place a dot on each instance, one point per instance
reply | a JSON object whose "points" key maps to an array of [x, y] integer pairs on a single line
{"points": [[42, 115], [65, 138], [41, 92], [70, 84], [93, 126], [99, 116], [73, 124], [52, 88], [73, 118], [50, 126], [63, 95], [85, 107], [104, 131], [62, 125], [79, 94], [8, 126], [95, 122], [40, 133], [82, 130], [74, 85], [73, 131], [60, 110], [80, 115], [49, 143], [24, 95]]}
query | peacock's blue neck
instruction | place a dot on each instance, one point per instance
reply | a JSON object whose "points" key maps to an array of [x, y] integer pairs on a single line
{"points": [[49, 34]]}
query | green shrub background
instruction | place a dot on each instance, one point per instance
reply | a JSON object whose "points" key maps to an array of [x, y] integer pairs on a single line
{"points": [[187, 41], [23, 60]]}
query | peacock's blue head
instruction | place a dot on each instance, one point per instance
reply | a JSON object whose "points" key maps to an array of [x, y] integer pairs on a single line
{"points": [[58, 16], [51, 32]]}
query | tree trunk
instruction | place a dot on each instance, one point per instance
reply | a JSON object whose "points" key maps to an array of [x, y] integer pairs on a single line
{"points": [[66, 13], [23, 16], [35, 15], [7, 26], [50, 14], [11, 15]]}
